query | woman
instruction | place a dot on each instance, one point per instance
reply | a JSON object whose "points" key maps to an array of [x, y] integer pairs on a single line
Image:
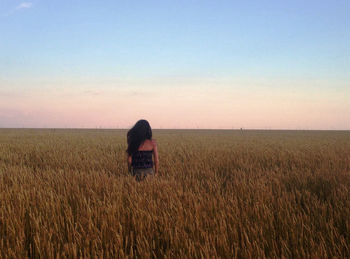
{"points": [[141, 148]]}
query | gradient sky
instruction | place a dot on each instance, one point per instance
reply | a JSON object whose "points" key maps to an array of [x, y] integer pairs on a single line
{"points": [[179, 64]]}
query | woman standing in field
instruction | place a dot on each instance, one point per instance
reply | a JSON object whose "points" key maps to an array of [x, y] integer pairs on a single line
{"points": [[141, 149]]}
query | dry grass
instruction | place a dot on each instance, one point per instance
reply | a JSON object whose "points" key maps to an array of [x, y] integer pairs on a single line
{"points": [[66, 193]]}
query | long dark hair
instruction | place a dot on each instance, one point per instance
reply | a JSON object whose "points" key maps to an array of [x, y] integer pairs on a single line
{"points": [[138, 134]]}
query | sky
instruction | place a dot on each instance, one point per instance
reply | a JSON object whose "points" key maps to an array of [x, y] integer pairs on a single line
{"points": [[179, 64]]}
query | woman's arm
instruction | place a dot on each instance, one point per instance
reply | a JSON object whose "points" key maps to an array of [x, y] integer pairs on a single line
{"points": [[129, 159], [155, 155]]}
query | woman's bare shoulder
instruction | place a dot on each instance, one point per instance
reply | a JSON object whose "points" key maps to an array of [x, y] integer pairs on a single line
{"points": [[148, 144], [154, 142]]}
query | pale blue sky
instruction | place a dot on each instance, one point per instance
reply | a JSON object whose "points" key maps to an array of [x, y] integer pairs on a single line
{"points": [[77, 47]]}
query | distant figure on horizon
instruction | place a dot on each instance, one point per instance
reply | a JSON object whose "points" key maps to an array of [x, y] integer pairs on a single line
{"points": [[141, 148]]}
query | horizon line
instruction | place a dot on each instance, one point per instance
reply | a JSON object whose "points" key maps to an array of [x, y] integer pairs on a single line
{"points": [[227, 129]]}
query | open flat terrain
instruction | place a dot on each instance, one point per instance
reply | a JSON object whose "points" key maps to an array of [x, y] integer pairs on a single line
{"points": [[219, 193]]}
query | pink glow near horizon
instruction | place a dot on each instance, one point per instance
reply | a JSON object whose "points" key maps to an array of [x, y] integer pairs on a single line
{"points": [[177, 107]]}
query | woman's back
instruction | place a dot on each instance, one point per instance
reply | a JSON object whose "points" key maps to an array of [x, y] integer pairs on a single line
{"points": [[147, 145], [142, 149], [142, 159]]}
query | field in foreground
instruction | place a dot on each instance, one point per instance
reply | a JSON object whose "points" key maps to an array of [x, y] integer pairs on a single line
{"points": [[225, 194]]}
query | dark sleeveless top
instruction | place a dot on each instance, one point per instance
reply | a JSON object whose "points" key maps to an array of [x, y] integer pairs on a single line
{"points": [[142, 159]]}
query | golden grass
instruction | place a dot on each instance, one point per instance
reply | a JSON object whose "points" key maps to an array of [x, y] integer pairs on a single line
{"points": [[250, 194]]}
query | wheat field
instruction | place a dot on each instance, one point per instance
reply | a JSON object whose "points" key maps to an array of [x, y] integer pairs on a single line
{"points": [[219, 194]]}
